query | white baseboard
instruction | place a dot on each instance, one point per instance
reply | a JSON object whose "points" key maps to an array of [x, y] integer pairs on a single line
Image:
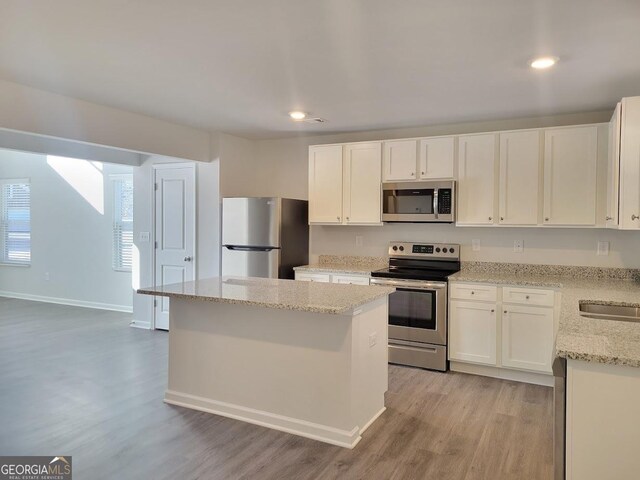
{"points": [[68, 301], [546, 380], [315, 431], [373, 419], [140, 324]]}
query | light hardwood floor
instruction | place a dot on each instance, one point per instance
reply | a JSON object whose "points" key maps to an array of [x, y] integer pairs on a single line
{"points": [[81, 382]]}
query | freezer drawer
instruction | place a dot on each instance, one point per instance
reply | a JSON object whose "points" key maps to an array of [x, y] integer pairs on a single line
{"points": [[251, 222], [245, 262]]}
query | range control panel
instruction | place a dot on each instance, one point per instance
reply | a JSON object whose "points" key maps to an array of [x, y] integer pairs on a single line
{"points": [[450, 251]]}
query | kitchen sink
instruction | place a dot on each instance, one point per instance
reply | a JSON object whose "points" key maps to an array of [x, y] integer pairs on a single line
{"points": [[621, 313]]}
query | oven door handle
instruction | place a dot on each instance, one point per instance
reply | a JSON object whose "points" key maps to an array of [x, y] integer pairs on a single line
{"points": [[409, 284]]}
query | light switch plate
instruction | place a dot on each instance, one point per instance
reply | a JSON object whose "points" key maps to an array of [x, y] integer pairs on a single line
{"points": [[475, 244], [359, 240], [603, 249], [144, 236], [518, 246]]}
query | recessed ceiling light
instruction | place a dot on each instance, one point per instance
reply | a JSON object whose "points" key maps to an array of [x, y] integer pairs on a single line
{"points": [[298, 115], [541, 63]]}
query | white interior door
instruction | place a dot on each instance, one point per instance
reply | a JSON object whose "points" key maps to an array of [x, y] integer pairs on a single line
{"points": [[174, 231]]}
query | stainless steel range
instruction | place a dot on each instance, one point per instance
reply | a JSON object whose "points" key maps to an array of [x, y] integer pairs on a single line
{"points": [[418, 308]]}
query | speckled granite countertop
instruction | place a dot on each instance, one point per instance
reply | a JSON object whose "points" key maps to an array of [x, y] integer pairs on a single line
{"points": [[345, 264], [328, 298], [579, 338]]}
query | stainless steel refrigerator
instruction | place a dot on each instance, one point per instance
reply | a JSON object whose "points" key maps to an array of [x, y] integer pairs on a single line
{"points": [[264, 237]]}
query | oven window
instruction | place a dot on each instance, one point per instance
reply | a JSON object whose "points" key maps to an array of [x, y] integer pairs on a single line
{"points": [[419, 201], [413, 308]]}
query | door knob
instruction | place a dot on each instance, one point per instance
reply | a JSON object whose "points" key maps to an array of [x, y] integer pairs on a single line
{"points": [[187, 259]]}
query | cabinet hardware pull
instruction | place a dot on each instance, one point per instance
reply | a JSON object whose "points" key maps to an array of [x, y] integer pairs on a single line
{"points": [[505, 311], [608, 218], [338, 218], [492, 310], [490, 218], [634, 217], [472, 292], [347, 219], [546, 219], [527, 297], [423, 173], [501, 219], [413, 174]]}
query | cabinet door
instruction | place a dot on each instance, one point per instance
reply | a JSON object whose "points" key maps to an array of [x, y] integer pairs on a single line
{"points": [[519, 174], [325, 184], [570, 162], [613, 169], [362, 183], [436, 158], [630, 164], [476, 179], [527, 337], [400, 160], [472, 332]]}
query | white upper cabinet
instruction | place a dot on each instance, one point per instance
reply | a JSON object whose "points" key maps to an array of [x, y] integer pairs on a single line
{"points": [[325, 184], [363, 183], [476, 179], [613, 169], [630, 164], [519, 177], [436, 158], [400, 160], [570, 176]]}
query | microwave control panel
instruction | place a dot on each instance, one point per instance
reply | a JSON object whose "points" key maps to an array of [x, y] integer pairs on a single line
{"points": [[444, 201]]}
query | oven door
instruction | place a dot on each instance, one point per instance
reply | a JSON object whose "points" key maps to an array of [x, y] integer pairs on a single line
{"points": [[417, 310]]}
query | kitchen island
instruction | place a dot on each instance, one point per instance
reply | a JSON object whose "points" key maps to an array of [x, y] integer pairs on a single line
{"points": [[301, 357]]}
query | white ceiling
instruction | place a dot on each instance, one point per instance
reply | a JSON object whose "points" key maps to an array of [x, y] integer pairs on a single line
{"points": [[240, 65]]}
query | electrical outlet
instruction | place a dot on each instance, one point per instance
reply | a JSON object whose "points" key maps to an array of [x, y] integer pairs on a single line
{"points": [[603, 249], [373, 339], [47, 277], [475, 244], [518, 246], [359, 240], [144, 236]]}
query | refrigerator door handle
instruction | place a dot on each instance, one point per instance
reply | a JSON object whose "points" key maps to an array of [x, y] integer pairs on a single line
{"points": [[250, 249]]}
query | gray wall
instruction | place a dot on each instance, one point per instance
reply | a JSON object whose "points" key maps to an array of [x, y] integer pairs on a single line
{"points": [[71, 240]]}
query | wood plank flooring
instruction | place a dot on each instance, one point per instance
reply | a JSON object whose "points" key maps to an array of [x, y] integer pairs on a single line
{"points": [[81, 382]]}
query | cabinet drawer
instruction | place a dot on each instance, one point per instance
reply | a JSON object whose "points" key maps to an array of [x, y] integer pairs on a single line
{"points": [[350, 279], [474, 291], [528, 296], [313, 277]]}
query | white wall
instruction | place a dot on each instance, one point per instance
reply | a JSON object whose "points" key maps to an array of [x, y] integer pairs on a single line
{"points": [[282, 166], [71, 238], [26, 109], [207, 257]]}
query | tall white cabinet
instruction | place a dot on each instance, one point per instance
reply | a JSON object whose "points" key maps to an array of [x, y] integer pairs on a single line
{"points": [[477, 156], [519, 177], [630, 164], [345, 184], [570, 176]]}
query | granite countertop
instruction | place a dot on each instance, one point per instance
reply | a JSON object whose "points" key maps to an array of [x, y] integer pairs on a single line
{"points": [[578, 338], [347, 264], [315, 297]]}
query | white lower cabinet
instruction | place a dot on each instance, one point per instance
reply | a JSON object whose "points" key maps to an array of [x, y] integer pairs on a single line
{"points": [[472, 332], [527, 337], [333, 278], [507, 327]]}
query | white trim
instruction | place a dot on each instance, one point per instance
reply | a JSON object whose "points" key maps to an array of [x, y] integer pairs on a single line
{"points": [[546, 380], [373, 419], [68, 301], [315, 431], [140, 324]]}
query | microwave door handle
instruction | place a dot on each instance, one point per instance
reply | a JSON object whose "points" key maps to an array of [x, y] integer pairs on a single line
{"points": [[435, 202]]}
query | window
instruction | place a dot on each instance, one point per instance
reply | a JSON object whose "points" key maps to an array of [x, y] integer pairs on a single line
{"points": [[15, 221], [123, 222]]}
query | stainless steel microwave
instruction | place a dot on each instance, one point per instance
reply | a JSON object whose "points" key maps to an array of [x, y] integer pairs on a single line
{"points": [[417, 202]]}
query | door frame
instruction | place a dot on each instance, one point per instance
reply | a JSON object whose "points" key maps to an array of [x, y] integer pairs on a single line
{"points": [[168, 166]]}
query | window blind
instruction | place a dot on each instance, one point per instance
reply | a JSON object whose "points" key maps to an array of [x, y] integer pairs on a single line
{"points": [[15, 221], [123, 223]]}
